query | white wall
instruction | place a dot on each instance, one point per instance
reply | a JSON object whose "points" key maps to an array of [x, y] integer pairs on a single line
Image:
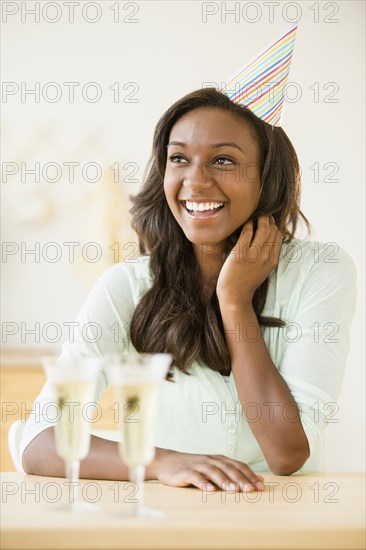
{"points": [[168, 51]]}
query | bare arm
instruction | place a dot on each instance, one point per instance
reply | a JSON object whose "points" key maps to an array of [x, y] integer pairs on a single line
{"points": [[277, 426], [169, 467], [102, 462], [274, 418]]}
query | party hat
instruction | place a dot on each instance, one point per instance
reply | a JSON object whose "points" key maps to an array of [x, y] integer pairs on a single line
{"points": [[260, 85]]}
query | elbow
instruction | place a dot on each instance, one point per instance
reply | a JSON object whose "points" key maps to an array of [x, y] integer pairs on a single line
{"points": [[31, 460], [40, 457], [27, 462], [289, 463]]}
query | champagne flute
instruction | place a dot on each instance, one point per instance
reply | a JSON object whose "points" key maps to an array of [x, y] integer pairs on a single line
{"points": [[137, 378], [73, 382]]}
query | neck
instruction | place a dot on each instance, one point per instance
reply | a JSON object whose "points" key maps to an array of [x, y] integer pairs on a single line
{"points": [[210, 260]]}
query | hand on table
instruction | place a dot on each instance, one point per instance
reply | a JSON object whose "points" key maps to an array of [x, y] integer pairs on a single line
{"points": [[202, 471]]}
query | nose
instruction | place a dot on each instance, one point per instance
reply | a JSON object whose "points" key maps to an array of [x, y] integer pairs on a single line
{"points": [[198, 176]]}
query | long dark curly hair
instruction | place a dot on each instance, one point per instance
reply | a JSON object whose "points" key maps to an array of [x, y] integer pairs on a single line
{"points": [[172, 317]]}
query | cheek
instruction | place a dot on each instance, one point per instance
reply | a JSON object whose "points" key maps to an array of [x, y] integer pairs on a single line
{"points": [[170, 194], [251, 172], [245, 191], [167, 185], [244, 201], [171, 187]]}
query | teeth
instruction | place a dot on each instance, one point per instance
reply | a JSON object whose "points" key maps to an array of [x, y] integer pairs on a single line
{"points": [[201, 206]]}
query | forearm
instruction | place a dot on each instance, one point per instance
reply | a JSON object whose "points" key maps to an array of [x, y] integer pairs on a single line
{"points": [[273, 416], [103, 460], [174, 468]]}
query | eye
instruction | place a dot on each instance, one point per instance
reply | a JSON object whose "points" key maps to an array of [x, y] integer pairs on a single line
{"points": [[224, 161], [177, 159]]}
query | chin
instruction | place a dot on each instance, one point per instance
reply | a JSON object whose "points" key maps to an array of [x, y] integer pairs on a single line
{"points": [[206, 239]]}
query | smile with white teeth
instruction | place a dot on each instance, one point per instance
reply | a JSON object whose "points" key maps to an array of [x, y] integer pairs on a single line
{"points": [[201, 206]]}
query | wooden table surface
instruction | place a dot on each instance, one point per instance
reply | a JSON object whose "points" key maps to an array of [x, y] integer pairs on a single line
{"points": [[317, 511]]}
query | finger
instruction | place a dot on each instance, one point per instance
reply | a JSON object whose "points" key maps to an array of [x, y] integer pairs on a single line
{"points": [[263, 231], [246, 483], [273, 225], [228, 479], [278, 237], [218, 476], [245, 238], [195, 478], [244, 468], [247, 231], [250, 478], [238, 472], [273, 229], [236, 463], [275, 247], [271, 247]]}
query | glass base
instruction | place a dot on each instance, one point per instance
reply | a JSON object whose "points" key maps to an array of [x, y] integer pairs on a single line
{"points": [[152, 513], [78, 506], [139, 513]]}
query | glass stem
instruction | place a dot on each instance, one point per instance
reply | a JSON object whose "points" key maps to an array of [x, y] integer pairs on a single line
{"points": [[72, 474], [137, 475]]}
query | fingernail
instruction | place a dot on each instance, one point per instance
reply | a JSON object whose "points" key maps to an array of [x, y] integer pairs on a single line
{"points": [[247, 487], [230, 487], [209, 487], [260, 485]]}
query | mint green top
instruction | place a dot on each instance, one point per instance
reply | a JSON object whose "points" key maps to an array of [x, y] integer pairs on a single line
{"points": [[313, 289]]}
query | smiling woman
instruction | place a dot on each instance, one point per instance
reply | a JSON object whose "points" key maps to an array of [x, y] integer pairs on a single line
{"points": [[202, 170], [208, 151], [242, 305]]}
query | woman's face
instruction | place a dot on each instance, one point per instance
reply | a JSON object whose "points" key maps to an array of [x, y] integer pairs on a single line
{"points": [[212, 178]]}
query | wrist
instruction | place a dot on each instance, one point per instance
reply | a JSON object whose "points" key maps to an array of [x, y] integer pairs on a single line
{"points": [[229, 303], [153, 469]]}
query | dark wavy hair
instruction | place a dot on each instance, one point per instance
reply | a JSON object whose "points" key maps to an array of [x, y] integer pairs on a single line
{"points": [[172, 317]]}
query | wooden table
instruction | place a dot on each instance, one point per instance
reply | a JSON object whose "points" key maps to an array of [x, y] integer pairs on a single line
{"points": [[317, 511]]}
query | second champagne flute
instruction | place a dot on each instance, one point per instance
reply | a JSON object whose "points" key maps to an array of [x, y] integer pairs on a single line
{"points": [[137, 378]]}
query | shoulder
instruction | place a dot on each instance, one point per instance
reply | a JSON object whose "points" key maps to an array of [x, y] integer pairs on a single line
{"points": [[132, 277], [301, 260], [138, 268]]}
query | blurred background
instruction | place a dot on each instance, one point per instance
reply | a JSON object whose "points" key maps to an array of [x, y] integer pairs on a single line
{"points": [[84, 84]]}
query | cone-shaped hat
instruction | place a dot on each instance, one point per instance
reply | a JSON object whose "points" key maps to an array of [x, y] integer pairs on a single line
{"points": [[260, 85]]}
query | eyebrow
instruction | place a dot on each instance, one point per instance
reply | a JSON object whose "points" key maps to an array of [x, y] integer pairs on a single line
{"points": [[213, 146]]}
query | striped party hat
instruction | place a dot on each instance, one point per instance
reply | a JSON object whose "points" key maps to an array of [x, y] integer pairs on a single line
{"points": [[260, 85]]}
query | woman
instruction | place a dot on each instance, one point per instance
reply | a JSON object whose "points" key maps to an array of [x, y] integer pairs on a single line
{"points": [[257, 320]]}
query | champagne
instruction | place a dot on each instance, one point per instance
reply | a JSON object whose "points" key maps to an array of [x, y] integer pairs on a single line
{"points": [[72, 429], [137, 415]]}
